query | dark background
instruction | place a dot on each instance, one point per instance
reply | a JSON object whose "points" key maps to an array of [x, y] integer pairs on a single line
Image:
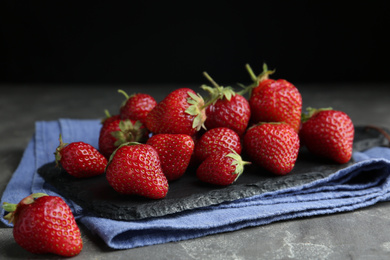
{"points": [[150, 42]]}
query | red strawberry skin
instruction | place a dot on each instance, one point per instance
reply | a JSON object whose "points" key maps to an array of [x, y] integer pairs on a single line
{"points": [[175, 151], [137, 107], [276, 101], [170, 116], [80, 159], [329, 134], [217, 169], [47, 225], [136, 169], [215, 140], [106, 139], [272, 146], [234, 114]]}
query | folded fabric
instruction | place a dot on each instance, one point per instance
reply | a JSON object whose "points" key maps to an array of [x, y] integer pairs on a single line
{"points": [[364, 183]]}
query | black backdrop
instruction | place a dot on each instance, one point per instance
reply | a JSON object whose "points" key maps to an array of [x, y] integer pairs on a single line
{"points": [[115, 42]]}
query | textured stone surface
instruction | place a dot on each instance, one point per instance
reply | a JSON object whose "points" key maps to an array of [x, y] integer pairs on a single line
{"points": [[361, 234]]}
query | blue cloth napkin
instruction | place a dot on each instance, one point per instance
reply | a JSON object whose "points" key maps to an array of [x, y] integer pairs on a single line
{"points": [[345, 190]]}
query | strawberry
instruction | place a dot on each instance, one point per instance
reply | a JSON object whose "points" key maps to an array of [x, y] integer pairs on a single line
{"points": [[328, 133], [175, 151], [274, 100], [216, 139], [135, 168], [273, 146], [116, 131], [221, 168], [44, 224], [80, 159], [181, 112], [226, 108], [136, 106]]}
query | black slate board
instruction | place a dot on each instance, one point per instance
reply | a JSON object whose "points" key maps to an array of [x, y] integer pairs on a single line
{"points": [[96, 196]]}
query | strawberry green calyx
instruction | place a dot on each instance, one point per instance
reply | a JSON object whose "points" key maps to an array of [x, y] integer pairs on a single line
{"points": [[57, 153], [11, 208], [196, 109], [262, 76], [128, 132], [237, 162], [217, 92], [311, 111], [256, 79]]}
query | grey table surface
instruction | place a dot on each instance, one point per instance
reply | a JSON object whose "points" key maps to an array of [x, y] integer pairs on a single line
{"points": [[361, 234]]}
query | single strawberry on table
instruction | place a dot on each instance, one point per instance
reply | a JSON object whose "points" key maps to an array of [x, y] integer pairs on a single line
{"points": [[274, 100], [226, 108], [215, 140], [116, 131], [273, 146], [135, 168], [175, 151], [136, 106], [181, 112], [328, 133], [221, 168], [80, 159], [44, 224]]}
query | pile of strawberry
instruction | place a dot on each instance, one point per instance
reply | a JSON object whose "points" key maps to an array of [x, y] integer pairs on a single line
{"points": [[148, 144]]}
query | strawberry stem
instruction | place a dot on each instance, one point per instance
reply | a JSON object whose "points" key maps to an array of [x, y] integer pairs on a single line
{"points": [[57, 153], [211, 80], [218, 92], [124, 93], [256, 79], [251, 73], [107, 113]]}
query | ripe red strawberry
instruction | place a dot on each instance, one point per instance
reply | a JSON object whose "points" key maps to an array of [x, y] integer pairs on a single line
{"points": [[181, 112], [135, 168], [116, 131], [221, 168], [273, 146], [175, 151], [136, 106], [44, 224], [216, 139], [274, 100], [328, 133], [226, 108], [80, 159]]}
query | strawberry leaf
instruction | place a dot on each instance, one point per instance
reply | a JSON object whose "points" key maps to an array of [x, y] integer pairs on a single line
{"points": [[217, 92], [197, 110], [237, 162]]}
